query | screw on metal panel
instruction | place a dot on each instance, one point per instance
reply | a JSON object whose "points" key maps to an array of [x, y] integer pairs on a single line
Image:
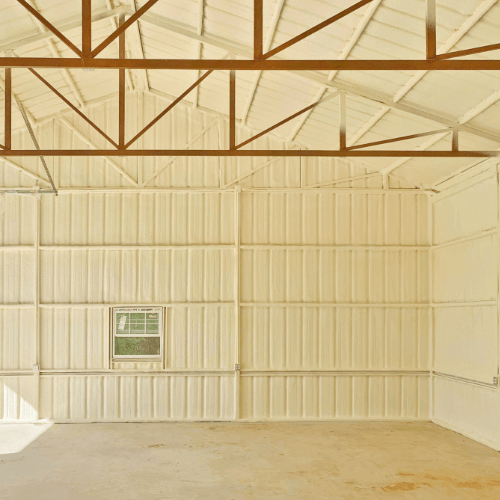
{"points": [[237, 366], [36, 368], [495, 380]]}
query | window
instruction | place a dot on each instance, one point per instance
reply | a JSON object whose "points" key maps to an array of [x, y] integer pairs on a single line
{"points": [[137, 332]]}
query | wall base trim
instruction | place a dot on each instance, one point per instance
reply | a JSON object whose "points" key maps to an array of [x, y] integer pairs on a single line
{"points": [[467, 434], [241, 420]]}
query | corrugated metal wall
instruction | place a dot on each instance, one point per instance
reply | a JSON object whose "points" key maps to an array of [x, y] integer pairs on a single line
{"points": [[321, 296], [465, 293]]}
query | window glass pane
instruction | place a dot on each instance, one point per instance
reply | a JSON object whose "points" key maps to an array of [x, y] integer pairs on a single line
{"points": [[122, 323], [137, 346]]}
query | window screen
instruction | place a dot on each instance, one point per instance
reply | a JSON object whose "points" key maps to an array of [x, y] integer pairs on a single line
{"points": [[137, 332]]}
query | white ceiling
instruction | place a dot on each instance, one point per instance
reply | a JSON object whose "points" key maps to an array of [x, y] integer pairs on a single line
{"points": [[384, 29]]}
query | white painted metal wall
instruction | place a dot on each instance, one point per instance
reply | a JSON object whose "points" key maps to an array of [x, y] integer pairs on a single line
{"points": [[322, 296], [465, 293]]}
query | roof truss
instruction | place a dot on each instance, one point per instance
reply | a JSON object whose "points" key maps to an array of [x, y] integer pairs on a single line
{"points": [[256, 60]]}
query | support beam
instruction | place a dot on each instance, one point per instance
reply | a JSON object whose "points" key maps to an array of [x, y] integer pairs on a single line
{"points": [[267, 45], [478, 14], [50, 27], [23, 170], [199, 48], [422, 148], [398, 139], [8, 108], [316, 28], [104, 153], [35, 143], [454, 140], [53, 50], [121, 29], [168, 108], [318, 153], [251, 172], [353, 40], [121, 87], [68, 24], [232, 110], [75, 109], [86, 28], [342, 120], [341, 181], [258, 26], [286, 120], [188, 145], [293, 65], [430, 29]]}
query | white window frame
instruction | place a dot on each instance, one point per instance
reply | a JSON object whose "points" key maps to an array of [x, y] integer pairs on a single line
{"points": [[114, 332]]}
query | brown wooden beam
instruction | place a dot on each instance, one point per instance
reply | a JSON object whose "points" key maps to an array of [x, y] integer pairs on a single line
{"points": [[282, 122], [316, 28], [430, 29], [469, 52], [232, 110], [121, 86], [398, 139], [123, 27], [74, 108], [8, 108], [168, 108], [342, 121], [258, 27], [86, 28], [50, 27], [257, 65], [253, 152]]}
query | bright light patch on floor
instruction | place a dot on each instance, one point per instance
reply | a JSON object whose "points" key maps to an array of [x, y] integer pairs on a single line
{"points": [[15, 437]]}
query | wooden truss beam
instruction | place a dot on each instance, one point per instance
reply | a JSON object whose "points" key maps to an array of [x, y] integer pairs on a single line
{"points": [[50, 27], [254, 152], [121, 29], [257, 65], [316, 28]]}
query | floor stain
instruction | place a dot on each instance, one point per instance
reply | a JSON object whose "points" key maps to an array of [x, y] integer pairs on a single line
{"points": [[401, 487], [475, 483]]}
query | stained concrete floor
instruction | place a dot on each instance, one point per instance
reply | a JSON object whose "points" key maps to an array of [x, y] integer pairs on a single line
{"points": [[221, 461]]}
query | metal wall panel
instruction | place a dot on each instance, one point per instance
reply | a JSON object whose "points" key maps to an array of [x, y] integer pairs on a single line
{"points": [[18, 399], [137, 397], [325, 338], [466, 271], [470, 409], [17, 339], [136, 276], [340, 396], [332, 286], [466, 213], [466, 297]]}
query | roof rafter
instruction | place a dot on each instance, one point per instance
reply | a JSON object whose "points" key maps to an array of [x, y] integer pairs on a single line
{"points": [[358, 32], [412, 82], [266, 46], [53, 50]]}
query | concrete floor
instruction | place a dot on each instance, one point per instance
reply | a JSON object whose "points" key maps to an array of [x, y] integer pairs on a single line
{"points": [[220, 461]]}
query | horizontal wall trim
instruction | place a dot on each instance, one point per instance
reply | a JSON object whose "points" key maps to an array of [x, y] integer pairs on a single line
{"points": [[229, 246], [463, 185], [465, 380], [233, 421], [69, 305], [334, 304], [332, 373], [132, 190], [202, 372], [478, 303], [475, 236]]}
